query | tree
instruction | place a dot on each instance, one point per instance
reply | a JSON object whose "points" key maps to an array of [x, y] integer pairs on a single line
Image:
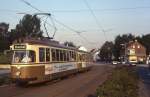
{"points": [[123, 39], [4, 28], [106, 51], [70, 44], [145, 40], [4, 35], [29, 26]]}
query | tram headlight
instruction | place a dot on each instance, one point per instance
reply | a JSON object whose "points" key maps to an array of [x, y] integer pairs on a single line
{"points": [[17, 73], [18, 67]]}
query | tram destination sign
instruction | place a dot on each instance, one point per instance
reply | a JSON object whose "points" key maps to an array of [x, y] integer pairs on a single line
{"points": [[19, 46]]}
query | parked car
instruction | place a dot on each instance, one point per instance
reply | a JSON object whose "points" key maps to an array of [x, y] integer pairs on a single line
{"points": [[132, 64], [123, 62], [114, 62]]}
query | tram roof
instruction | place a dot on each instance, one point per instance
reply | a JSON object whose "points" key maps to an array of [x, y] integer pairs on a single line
{"points": [[45, 42]]}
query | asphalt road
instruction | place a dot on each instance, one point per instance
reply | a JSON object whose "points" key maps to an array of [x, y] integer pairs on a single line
{"points": [[80, 85], [144, 74]]}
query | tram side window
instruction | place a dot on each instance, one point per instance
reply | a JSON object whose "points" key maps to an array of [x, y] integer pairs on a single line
{"points": [[68, 55], [53, 51], [72, 57], [77, 57], [61, 55], [65, 55], [89, 58], [80, 57], [47, 54], [83, 57], [86, 57], [32, 56], [41, 54], [57, 54]]}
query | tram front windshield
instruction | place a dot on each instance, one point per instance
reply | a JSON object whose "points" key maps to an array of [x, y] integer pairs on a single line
{"points": [[23, 56]]}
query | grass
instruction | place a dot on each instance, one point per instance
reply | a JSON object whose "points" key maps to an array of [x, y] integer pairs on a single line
{"points": [[122, 83]]}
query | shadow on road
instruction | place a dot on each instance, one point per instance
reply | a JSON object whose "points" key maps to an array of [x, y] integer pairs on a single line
{"points": [[91, 95]]}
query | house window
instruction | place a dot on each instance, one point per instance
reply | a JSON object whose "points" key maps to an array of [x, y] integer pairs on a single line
{"points": [[138, 46], [133, 46]]}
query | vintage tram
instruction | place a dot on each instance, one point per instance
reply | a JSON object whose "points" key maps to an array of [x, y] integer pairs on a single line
{"points": [[41, 60]]}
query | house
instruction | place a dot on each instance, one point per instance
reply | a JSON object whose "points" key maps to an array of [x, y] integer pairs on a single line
{"points": [[135, 52], [95, 53]]}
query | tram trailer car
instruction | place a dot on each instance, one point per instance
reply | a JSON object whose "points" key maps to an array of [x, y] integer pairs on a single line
{"points": [[36, 61]]}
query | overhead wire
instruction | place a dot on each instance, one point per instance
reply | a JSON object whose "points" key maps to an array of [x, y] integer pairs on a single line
{"points": [[77, 32], [41, 18], [82, 10], [56, 21], [100, 10], [31, 5], [95, 18], [55, 29]]}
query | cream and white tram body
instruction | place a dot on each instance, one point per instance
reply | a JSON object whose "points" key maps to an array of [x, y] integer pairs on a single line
{"points": [[36, 61]]}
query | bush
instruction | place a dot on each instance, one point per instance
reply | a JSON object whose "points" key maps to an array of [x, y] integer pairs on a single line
{"points": [[123, 83], [5, 58]]}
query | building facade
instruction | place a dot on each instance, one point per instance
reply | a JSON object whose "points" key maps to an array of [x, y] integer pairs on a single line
{"points": [[135, 52]]}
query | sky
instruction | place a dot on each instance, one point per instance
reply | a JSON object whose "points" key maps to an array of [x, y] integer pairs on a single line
{"points": [[107, 19]]}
